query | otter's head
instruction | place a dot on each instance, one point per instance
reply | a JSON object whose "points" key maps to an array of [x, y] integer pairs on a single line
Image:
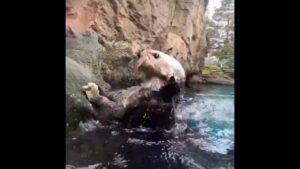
{"points": [[158, 64]]}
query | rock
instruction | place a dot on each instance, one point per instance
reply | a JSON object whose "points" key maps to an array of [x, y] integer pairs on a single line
{"points": [[194, 81], [118, 29], [89, 49], [219, 80], [77, 106]]}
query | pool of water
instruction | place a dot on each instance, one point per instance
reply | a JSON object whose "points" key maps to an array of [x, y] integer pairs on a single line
{"points": [[208, 144]]}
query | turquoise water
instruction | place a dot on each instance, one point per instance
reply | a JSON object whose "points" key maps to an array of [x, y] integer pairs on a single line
{"points": [[210, 113], [208, 144]]}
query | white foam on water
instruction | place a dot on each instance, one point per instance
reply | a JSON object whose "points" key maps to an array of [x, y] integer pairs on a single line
{"points": [[214, 117], [215, 95], [120, 161], [144, 142]]}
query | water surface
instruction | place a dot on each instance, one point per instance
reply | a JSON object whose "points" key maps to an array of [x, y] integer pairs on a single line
{"points": [[209, 142]]}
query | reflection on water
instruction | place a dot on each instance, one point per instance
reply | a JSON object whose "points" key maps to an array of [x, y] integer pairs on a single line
{"points": [[209, 143]]}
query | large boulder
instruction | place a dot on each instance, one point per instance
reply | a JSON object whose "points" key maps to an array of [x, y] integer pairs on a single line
{"points": [[77, 106], [105, 60]]}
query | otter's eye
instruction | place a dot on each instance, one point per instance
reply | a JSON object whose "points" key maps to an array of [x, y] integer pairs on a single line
{"points": [[156, 55]]}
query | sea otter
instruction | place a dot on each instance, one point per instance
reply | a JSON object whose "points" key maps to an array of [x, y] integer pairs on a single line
{"points": [[158, 68], [150, 103], [158, 64], [154, 109]]}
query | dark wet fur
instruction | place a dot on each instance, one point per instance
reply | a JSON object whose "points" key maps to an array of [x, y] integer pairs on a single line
{"points": [[156, 113], [106, 108]]}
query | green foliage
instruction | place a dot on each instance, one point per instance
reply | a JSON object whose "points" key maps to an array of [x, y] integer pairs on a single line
{"points": [[223, 21], [207, 70], [220, 31], [224, 68], [215, 71], [212, 68], [226, 52], [230, 63]]}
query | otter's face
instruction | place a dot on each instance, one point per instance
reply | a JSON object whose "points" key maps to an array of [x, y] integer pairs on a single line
{"points": [[157, 64], [153, 64]]}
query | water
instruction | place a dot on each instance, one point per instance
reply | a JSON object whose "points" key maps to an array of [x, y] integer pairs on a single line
{"points": [[208, 144]]}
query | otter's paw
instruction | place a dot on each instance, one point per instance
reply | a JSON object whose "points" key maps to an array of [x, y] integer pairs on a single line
{"points": [[91, 90]]}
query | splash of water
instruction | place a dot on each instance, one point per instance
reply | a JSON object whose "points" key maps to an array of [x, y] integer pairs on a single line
{"points": [[211, 116]]}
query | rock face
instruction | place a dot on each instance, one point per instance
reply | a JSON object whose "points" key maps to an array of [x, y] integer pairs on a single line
{"points": [[104, 61], [77, 106], [119, 28]]}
